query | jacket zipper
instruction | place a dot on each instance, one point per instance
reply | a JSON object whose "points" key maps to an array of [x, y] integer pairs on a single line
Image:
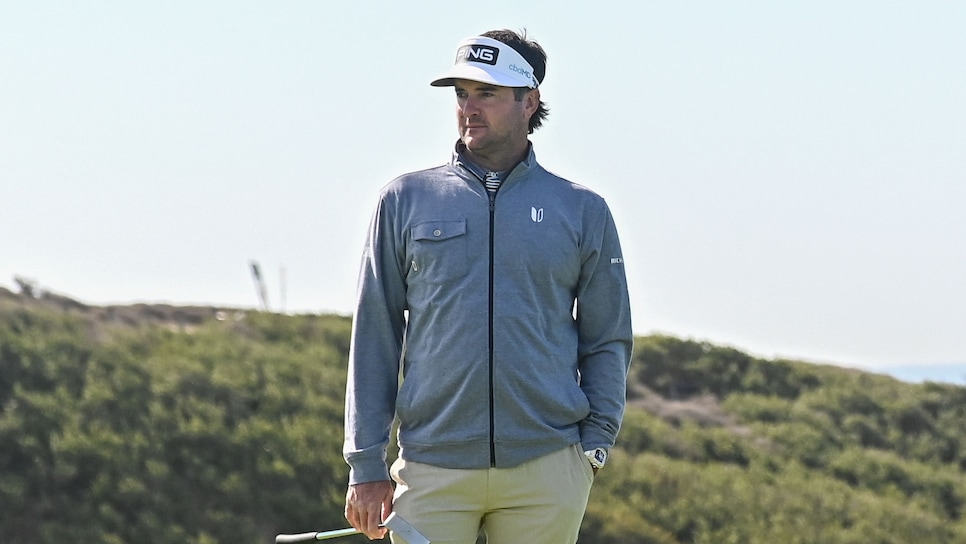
{"points": [[492, 197]]}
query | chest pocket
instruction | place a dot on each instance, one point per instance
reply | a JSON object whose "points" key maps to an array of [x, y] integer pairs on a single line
{"points": [[439, 251]]}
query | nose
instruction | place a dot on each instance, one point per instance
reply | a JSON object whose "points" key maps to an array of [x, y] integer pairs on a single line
{"points": [[469, 107]]}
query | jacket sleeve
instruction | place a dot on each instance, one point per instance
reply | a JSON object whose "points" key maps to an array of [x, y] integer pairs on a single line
{"points": [[375, 350], [605, 337]]}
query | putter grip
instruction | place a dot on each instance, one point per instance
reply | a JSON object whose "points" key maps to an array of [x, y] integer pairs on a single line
{"points": [[301, 537], [308, 537]]}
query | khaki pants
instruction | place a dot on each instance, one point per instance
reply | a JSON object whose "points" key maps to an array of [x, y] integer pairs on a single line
{"points": [[539, 502]]}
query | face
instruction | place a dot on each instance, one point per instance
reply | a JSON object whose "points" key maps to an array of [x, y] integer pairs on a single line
{"points": [[492, 123]]}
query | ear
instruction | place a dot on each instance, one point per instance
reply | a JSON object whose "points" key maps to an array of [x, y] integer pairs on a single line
{"points": [[531, 101]]}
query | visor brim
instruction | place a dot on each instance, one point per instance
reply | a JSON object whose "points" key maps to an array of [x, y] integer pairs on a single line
{"points": [[473, 72]]}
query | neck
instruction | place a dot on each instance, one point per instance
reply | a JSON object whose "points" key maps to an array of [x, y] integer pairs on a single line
{"points": [[499, 161]]}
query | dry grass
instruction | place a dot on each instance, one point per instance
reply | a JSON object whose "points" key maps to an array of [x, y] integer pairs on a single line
{"points": [[704, 410], [176, 318]]}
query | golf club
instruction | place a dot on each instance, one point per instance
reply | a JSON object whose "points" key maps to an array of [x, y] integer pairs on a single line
{"points": [[394, 523]]}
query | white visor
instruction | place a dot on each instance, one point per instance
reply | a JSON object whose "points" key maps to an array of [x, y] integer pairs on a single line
{"points": [[488, 61]]}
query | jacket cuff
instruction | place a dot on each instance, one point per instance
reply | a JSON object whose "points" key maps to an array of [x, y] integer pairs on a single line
{"points": [[590, 440], [363, 471]]}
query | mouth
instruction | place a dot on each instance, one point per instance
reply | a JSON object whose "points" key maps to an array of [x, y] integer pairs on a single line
{"points": [[473, 122]]}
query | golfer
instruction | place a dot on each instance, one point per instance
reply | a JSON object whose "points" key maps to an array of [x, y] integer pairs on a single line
{"points": [[495, 290]]}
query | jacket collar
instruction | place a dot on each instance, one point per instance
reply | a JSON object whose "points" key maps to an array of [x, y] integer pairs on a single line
{"points": [[460, 162]]}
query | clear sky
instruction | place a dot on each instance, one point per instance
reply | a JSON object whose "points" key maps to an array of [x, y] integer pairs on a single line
{"points": [[789, 178]]}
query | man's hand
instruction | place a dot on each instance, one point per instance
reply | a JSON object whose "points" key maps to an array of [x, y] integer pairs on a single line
{"points": [[367, 505]]}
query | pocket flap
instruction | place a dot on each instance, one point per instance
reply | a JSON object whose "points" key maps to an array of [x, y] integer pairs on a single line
{"points": [[439, 230]]}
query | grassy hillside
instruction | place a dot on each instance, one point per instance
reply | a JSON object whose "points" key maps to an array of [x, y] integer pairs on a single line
{"points": [[171, 425]]}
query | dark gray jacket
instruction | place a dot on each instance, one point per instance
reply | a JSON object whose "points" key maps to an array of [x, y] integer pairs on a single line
{"points": [[509, 315]]}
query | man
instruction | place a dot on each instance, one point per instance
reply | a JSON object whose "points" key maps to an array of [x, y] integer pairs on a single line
{"points": [[500, 290]]}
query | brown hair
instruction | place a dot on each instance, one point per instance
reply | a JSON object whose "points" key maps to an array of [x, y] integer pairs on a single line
{"points": [[536, 56]]}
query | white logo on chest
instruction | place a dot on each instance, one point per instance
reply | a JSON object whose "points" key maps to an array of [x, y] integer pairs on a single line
{"points": [[536, 214]]}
